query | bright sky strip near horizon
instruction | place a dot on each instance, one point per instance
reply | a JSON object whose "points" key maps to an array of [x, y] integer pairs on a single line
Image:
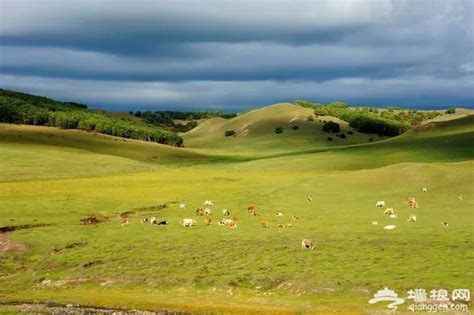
{"points": [[231, 55]]}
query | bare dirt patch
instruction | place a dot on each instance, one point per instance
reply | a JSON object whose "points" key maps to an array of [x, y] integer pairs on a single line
{"points": [[94, 219], [6, 245]]}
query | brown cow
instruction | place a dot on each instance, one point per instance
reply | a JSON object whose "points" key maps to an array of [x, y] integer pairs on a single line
{"points": [[251, 209], [199, 211], [412, 202], [264, 223], [207, 221]]}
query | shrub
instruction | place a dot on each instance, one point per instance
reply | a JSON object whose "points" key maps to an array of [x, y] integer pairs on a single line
{"points": [[229, 133], [451, 111], [329, 138], [350, 132], [342, 135], [371, 139], [279, 130], [331, 126], [310, 118], [295, 127]]}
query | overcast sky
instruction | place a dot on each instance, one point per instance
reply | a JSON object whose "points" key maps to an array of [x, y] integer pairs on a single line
{"points": [[229, 55]]}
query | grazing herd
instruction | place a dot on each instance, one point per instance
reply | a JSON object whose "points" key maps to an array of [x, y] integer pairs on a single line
{"points": [[230, 223], [412, 204], [252, 210]]}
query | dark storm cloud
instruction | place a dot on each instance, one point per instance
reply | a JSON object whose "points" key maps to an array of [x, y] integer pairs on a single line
{"points": [[244, 46]]}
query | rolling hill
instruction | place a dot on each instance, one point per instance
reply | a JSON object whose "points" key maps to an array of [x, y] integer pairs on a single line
{"points": [[255, 132]]}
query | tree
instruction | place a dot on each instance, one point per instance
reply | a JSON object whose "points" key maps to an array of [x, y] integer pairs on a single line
{"points": [[331, 126], [451, 111], [229, 133]]}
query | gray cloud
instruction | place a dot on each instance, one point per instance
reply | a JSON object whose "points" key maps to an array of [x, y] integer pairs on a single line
{"points": [[239, 50]]}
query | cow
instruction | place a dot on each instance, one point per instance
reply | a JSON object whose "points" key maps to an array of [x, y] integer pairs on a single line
{"points": [[279, 214], [207, 221], [310, 198], [424, 189], [393, 216], [389, 211], [199, 211], [411, 218], [412, 202], [232, 225], [207, 211], [380, 204], [124, 221], [208, 203], [182, 206], [225, 212], [227, 222], [251, 209], [288, 225], [307, 243], [144, 220], [187, 222], [375, 223], [163, 222], [153, 220], [389, 227], [295, 218], [264, 223], [281, 226], [235, 218], [445, 223], [460, 198]]}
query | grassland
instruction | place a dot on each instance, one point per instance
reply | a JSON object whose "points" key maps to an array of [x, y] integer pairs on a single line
{"points": [[62, 176]]}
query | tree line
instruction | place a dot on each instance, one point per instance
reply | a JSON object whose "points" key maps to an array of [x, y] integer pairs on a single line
{"points": [[168, 118], [22, 108], [388, 122]]}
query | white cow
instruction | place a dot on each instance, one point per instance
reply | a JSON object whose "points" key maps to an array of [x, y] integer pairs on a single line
{"points": [[389, 227], [207, 211], [225, 212], [279, 214], [393, 215], [424, 189], [153, 220], [182, 206], [307, 243], [187, 222], [380, 204], [208, 203]]}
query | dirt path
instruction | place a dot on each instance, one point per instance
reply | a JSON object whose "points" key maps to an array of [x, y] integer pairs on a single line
{"points": [[55, 308]]}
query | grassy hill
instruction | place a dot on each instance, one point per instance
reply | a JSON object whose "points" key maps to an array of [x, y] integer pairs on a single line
{"points": [[59, 177], [255, 132], [22, 108]]}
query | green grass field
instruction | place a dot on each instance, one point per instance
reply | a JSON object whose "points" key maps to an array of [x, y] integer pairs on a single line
{"points": [[59, 177]]}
